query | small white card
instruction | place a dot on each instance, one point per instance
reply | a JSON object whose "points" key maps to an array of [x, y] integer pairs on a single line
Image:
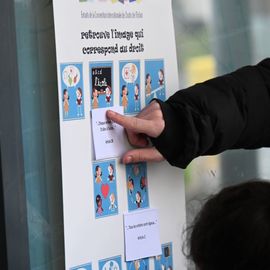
{"points": [[109, 138], [142, 237]]}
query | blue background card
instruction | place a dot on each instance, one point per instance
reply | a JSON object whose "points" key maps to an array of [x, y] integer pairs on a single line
{"points": [[165, 261], [101, 84], [129, 94], [137, 186], [87, 266], [141, 264], [113, 263], [72, 91], [154, 80], [105, 193]]}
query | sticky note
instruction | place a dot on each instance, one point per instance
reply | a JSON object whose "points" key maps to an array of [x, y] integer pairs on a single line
{"points": [[142, 236], [108, 137]]}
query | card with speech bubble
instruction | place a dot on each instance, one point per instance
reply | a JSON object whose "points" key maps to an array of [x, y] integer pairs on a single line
{"points": [[105, 192], [72, 91], [130, 92]]}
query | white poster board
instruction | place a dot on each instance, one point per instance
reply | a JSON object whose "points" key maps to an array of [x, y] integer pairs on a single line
{"points": [[111, 53]]}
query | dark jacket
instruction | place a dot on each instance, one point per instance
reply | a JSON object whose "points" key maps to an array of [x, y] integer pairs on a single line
{"points": [[227, 112]]}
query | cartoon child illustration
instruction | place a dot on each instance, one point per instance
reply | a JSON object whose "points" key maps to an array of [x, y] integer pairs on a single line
{"points": [[113, 266], [159, 265], [161, 80], [124, 97], [108, 95], [110, 171], [79, 101], [148, 86], [136, 96], [161, 77], [112, 206], [130, 185], [143, 183], [95, 98], [99, 209], [138, 199], [66, 102], [98, 174], [137, 265]]}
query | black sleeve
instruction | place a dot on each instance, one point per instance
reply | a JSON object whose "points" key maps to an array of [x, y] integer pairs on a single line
{"points": [[227, 112]]}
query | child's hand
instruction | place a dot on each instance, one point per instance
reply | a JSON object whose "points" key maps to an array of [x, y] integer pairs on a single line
{"points": [[148, 123]]}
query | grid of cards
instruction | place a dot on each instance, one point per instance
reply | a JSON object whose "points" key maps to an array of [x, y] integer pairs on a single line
{"points": [[101, 84], [162, 262]]}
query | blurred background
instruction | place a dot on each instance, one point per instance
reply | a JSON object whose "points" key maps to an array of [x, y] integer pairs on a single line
{"points": [[213, 37]]}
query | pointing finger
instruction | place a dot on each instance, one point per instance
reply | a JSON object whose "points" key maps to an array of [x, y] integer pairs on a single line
{"points": [[134, 124]]}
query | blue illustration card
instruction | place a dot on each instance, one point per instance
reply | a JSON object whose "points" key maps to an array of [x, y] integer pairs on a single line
{"points": [[137, 186], [101, 84], [154, 80], [165, 261], [105, 193], [130, 98], [87, 266], [142, 264], [72, 91], [113, 263]]}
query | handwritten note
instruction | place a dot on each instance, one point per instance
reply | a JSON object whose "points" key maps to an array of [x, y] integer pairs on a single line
{"points": [[142, 238], [109, 138]]}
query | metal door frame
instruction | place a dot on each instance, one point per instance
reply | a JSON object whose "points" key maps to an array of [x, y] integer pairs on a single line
{"points": [[13, 211]]}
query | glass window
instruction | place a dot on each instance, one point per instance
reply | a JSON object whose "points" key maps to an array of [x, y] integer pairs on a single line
{"points": [[40, 132], [213, 38]]}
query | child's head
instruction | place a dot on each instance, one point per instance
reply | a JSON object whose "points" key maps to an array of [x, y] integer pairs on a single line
{"points": [[138, 197], [110, 169], [108, 90], [124, 90], [95, 93], [161, 74], [98, 201], [136, 89], [130, 183], [65, 95], [148, 79], [98, 171], [112, 198], [79, 92], [232, 231]]}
